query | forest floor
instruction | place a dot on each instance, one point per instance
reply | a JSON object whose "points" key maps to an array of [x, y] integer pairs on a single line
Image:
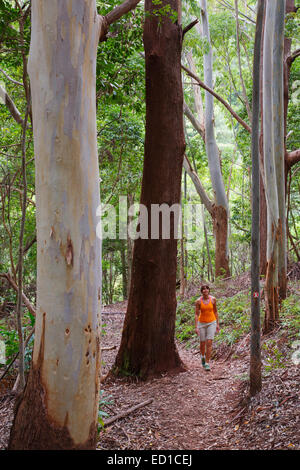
{"points": [[192, 410]]}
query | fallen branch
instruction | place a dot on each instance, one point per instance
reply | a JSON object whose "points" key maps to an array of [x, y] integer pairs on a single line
{"points": [[287, 398], [126, 413], [220, 378], [109, 348]]}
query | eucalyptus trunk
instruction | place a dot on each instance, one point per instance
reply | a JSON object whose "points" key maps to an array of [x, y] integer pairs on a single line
{"points": [[220, 209], [59, 406], [273, 124], [255, 356]]}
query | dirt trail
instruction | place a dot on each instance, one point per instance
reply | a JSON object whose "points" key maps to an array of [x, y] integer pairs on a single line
{"points": [[191, 410]]}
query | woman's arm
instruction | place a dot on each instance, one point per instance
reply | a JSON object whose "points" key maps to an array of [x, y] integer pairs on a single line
{"points": [[214, 302], [197, 313]]}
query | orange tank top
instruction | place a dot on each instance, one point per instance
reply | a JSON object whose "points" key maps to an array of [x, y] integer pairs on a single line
{"points": [[207, 314]]}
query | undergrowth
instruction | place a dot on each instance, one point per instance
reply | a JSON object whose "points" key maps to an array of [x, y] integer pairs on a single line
{"points": [[278, 349]]}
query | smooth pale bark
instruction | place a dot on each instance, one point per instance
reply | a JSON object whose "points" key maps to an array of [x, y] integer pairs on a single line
{"points": [[59, 406], [255, 350], [279, 144], [273, 125], [270, 175], [220, 217], [147, 345], [244, 92], [263, 203]]}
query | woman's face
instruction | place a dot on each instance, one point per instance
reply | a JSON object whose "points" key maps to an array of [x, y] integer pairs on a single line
{"points": [[205, 291]]}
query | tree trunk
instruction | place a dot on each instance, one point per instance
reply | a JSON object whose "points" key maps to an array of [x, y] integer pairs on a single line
{"points": [[147, 346], [220, 212], [263, 202], [255, 357], [59, 406], [124, 270], [279, 142], [273, 123], [210, 273], [130, 199]]}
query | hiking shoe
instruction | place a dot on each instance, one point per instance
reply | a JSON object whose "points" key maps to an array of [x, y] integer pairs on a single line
{"points": [[203, 360], [206, 367]]}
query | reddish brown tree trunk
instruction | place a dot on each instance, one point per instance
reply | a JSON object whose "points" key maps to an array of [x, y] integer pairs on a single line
{"points": [[147, 346]]}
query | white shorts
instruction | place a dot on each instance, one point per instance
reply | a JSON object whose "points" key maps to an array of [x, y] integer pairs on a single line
{"points": [[207, 330]]}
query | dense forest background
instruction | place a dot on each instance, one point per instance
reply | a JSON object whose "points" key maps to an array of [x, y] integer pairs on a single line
{"points": [[121, 111]]}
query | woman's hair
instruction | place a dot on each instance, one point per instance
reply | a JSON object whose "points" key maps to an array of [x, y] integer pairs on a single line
{"points": [[204, 287]]}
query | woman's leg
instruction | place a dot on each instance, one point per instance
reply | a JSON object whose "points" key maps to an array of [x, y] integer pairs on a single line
{"points": [[208, 350]]}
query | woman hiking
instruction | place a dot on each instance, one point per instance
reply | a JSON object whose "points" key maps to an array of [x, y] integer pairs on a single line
{"points": [[207, 324]]}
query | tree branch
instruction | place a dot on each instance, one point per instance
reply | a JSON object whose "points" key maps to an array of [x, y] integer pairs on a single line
{"points": [[219, 98], [4, 96], [290, 59], [292, 158], [189, 26], [26, 301], [11, 79], [114, 15], [198, 185], [196, 124]]}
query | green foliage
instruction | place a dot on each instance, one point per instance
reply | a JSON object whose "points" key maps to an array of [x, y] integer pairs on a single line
{"points": [[10, 338], [222, 28], [274, 358], [292, 25], [290, 317], [281, 350], [163, 12], [104, 401], [185, 323], [9, 334], [234, 316]]}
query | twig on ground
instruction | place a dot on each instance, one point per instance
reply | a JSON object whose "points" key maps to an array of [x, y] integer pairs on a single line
{"points": [[127, 412], [108, 348]]}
